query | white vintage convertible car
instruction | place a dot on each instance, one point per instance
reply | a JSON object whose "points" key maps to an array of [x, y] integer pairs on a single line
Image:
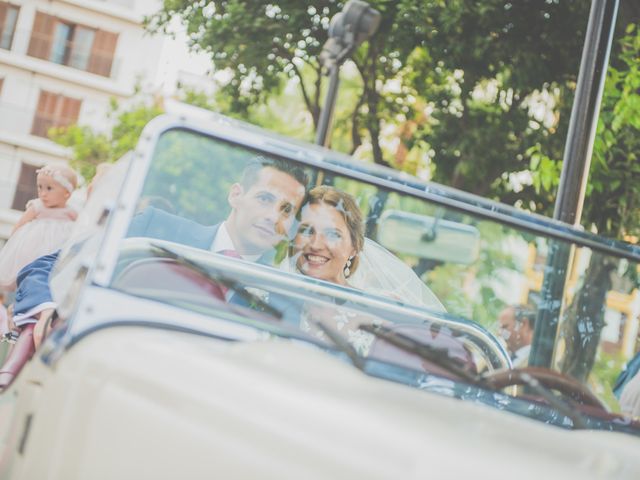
{"points": [[172, 360]]}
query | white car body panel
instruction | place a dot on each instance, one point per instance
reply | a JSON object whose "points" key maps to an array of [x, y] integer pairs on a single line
{"points": [[156, 404]]}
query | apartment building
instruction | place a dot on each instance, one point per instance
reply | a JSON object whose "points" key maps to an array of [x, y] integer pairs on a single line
{"points": [[61, 61]]}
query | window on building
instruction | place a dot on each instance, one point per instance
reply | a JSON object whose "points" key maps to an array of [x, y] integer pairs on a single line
{"points": [[54, 110], [26, 188], [8, 18], [73, 45]]}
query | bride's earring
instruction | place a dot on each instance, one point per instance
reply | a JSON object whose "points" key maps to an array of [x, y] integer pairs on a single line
{"points": [[347, 267]]}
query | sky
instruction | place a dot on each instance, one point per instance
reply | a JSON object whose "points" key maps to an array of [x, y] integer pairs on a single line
{"points": [[178, 60]]}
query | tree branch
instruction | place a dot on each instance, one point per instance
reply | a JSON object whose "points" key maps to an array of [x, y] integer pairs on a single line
{"points": [[305, 96], [316, 111], [372, 97], [356, 138]]}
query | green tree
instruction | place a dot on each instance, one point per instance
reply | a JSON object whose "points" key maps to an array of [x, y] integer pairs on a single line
{"points": [[482, 69], [263, 43], [90, 147], [433, 55], [613, 206], [463, 75], [260, 42]]}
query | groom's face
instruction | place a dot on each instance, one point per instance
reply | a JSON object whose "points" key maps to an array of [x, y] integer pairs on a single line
{"points": [[263, 212]]}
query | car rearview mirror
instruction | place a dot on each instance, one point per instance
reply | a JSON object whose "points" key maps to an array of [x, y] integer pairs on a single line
{"points": [[428, 237]]}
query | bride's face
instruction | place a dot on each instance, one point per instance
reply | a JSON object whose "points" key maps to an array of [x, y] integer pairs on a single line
{"points": [[323, 243]]}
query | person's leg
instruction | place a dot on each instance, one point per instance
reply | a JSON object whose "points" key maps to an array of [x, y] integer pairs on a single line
{"points": [[42, 326], [22, 351]]}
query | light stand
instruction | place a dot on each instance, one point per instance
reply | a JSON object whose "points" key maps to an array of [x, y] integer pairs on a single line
{"points": [[356, 23]]}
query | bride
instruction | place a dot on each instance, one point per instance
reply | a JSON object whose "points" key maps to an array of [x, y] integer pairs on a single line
{"points": [[330, 245]]}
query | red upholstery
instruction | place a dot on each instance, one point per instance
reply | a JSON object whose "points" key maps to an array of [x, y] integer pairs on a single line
{"points": [[164, 274]]}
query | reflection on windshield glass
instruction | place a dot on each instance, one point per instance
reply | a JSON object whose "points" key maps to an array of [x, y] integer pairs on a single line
{"points": [[481, 286]]}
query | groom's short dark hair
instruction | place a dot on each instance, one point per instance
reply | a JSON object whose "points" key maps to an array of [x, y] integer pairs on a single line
{"points": [[257, 163]]}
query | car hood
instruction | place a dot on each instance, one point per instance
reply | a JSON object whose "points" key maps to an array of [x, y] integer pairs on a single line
{"points": [[148, 403]]}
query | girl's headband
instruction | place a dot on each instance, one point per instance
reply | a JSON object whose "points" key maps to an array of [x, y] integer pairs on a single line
{"points": [[57, 176]]}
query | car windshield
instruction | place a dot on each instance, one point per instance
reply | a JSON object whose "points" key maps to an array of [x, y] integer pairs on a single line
{"points": [[408, 281]]}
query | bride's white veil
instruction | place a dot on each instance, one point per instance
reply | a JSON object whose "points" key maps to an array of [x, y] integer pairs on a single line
{"points": [[380, 272]]}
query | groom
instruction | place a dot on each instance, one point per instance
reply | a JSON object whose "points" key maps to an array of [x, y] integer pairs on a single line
{"points": [[263, 207]]}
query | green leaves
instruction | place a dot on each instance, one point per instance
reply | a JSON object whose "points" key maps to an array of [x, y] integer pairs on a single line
{"points": [[614, 196], [91, 148], [258, 42], [545, 172]]}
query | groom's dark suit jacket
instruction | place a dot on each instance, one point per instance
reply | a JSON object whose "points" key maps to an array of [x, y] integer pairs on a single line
{"points": [[156, 223]]}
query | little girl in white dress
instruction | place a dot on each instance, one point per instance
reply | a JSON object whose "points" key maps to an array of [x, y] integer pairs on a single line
{"points": [[43, 227]]}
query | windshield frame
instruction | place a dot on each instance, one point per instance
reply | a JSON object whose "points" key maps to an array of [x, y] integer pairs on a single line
{"points": [[236, 132]]}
